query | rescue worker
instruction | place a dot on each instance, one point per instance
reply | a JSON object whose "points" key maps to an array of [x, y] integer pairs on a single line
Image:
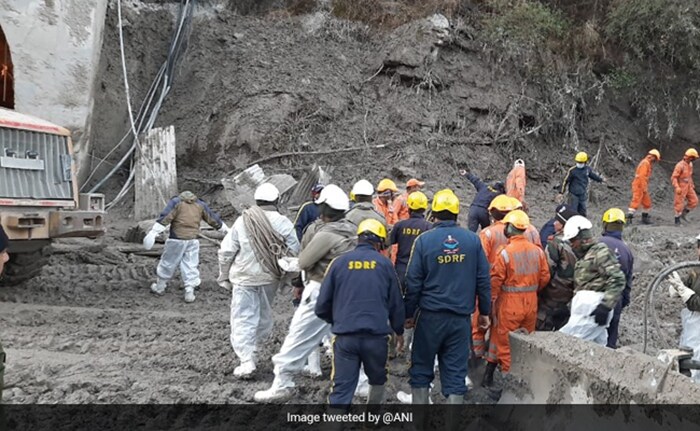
{"points": [[183, 213], [306, 331], [361, 299], [548, 230], [688, 289], [553, 300], [4, 257], [598, 283], [308, 212], [576, 181], [401, 204], [479, 209], [613, 223], [447, 272], [516, 181], [248, 267], [363, 209], [685, 198], [385, 202], [640, 187], [518, 273], [405, 233], [532, 234]]}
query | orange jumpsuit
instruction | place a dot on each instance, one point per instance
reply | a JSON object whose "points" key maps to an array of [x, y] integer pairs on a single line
{"points": [[519, 272], [515, 183], [401, 206], [391, 214], [683, 187], [640, 185], [493, 238]]}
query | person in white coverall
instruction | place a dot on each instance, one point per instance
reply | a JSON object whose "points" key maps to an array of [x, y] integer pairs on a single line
{"points": [[243, 269], [183, 213], [331, 238]]}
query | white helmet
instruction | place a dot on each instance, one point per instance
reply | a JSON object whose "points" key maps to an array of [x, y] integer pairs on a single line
{"points": [[362, 188], [334, 197], [519, 162], [266, 192], [575, 225]]}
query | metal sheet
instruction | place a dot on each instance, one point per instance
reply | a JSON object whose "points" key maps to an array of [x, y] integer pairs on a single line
{"points": [[34, 184]]}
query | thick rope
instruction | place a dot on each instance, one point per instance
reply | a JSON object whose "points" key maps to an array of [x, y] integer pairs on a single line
{"points": [[267, 244]]}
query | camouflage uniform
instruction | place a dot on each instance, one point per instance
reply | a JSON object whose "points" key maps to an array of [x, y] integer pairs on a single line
{"points": [[598, 270], [553, 300], [693, 282]]}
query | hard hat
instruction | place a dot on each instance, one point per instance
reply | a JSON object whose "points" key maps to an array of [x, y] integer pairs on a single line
{"points": [[655, 153], [516, 204], [414, 182], [518, 219], [501, 203], [519, 162], [386, 184], [581, 157], [316, 188], [417, 201], [691, 152], [334, 197], [372, 226], [266, 192], [575, 225], [363, 188], [614, 215], [445, 200]]}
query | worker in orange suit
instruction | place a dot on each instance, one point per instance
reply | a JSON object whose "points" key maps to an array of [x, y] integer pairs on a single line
{"points": [[640, 187], [518, 273], [516, 181], [386, 204], [532, 234], [685, 198], [400, 203]]}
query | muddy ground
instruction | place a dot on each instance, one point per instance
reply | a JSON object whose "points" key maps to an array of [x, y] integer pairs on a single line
{"points": [[88, 329]]}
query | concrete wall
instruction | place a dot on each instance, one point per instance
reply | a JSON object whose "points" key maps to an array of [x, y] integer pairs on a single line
{"points": [[55, 47]]}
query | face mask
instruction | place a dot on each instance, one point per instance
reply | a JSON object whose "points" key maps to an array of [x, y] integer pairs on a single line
{"points": [[580, 165]]}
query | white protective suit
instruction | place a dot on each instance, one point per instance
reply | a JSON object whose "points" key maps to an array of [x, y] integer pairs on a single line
{"points": [[581, 324], [254, 287], [182, 253], [690, 337]]}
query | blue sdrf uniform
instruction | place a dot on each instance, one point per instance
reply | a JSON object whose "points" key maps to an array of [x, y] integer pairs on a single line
{"points": [[478, 211], [361, 299], [577, 182], [447, 271], [306, 215], [624, 256], [404, 233]]}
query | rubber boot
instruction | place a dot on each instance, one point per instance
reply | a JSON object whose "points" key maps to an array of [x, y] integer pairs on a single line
{"points": [[646, 219], [189, 294], [376, 394], [453, 413], [685, 213], [420, 398], [677, 221], [159, 286], [629, 218], [488, 374]]}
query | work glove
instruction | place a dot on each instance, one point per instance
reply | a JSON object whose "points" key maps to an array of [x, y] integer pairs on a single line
{"points": [[463, 172], [601, 314], [289, 264], [150, 238], [679, 288], [223, 228], [224, 270]]}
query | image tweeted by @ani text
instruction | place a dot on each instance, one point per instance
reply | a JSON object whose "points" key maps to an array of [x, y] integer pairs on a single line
{"points": [[366, 417]]}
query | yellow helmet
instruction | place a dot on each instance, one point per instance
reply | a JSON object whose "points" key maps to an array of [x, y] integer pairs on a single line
{"points": [[445, 200], [691, 152], [372, 226], [518, 219], [581, 157], [614, 215], [516, 204], [502, 203], [386, 184], [417, 201], [655, 153]]}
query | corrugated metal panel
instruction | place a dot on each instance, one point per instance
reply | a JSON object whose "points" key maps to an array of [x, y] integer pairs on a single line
{"points": [[29, 183]]}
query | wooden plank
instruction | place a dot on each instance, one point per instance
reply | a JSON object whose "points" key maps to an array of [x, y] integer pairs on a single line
{"points": [[156, 172]]}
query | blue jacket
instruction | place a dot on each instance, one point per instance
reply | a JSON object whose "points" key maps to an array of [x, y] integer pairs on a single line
{"points": [[624, 255], [404, 233], [306, 215], [484, 192], [577, 180], [546, 231], [360, 294], [447, 271]]}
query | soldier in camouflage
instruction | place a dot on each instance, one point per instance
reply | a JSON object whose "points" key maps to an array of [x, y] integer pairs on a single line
{"points": [[597, 268], [553, 300]]}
